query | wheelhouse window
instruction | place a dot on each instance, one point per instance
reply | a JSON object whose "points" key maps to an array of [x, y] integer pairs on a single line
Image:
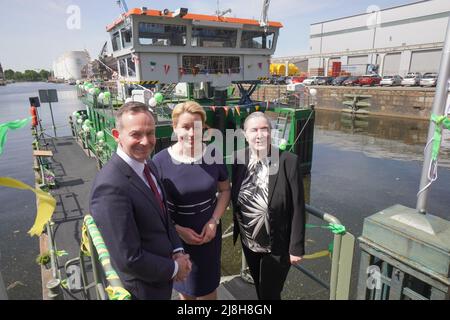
{"points": [[115, 40], [156, 34], [257, 40], [123, 67], [213, 38], [211, 65], [131, 67], [127, 37]]}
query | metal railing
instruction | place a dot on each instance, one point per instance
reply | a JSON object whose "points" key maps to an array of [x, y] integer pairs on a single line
{"points": [[341, 263], [105, 277]]}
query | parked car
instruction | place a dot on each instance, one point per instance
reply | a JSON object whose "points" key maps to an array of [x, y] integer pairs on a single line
{"points": [[412, 79], [351, 81], [339, 81], [391, 80], [429, 80], [325, 81], [278, 80], [369, 80], [311, 81], [296, 79]]}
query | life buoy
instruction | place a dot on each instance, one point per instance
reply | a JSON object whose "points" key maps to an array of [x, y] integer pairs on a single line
{"points": [[34, 119]]}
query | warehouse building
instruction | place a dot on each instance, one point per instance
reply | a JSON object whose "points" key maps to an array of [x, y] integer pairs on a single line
{"points": [[396, 40]]}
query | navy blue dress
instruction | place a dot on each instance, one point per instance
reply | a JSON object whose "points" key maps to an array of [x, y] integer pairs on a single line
{"points": [[191, 197]]}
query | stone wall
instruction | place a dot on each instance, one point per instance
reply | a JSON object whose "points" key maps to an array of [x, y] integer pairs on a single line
{"points": [[395, 101]]}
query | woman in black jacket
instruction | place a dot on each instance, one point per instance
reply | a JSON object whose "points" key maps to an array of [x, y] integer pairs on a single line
{"points": [[268, 207]]}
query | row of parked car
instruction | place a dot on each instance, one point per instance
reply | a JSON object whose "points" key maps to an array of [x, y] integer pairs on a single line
{"points": [[411, 79]]}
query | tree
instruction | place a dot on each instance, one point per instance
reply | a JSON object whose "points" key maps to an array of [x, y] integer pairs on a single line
{"points": [[44, 74], [9, 74], [18, 76], [31, 75]]}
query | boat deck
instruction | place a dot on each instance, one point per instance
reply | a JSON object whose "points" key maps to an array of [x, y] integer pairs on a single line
{"points": [[75, 172]]}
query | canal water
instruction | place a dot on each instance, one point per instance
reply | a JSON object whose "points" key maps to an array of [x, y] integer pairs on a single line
{"points": [[18, 250], [360, 166]]}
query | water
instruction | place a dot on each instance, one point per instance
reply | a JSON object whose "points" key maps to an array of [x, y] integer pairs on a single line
{"points": [[17, 208], [359, 168]]}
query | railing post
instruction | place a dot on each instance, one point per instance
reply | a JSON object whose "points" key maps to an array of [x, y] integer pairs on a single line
{"points": [[54, 290]]}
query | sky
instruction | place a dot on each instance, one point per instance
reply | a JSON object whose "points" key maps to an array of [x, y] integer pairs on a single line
{"points": [[35, 33]]}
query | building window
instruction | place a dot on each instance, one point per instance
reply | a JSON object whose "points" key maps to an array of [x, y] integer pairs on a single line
{"points": [[123, 67], [131, 67], [213, 38], [156, 34], [211, 65], [257, 40], [127, 37], [115, 39]]}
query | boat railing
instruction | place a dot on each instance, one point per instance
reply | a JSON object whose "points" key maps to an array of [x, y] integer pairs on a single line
{"points": [[341, 258], [105, 279]]}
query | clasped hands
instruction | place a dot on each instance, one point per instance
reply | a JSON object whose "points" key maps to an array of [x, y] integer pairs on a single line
{"points": [[193, 238]]}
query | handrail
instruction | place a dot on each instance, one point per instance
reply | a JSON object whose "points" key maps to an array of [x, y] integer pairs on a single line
{"points": [[335, 285], [339, 277], [101, 263]]}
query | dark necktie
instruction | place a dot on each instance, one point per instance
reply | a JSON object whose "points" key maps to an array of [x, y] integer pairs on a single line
{"points": [[152, 185]]}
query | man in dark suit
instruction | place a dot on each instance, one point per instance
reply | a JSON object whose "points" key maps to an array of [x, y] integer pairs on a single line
{"points": [[269, 208], [128, 204]]}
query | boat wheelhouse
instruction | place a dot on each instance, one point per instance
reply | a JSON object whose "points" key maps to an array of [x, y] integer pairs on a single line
{"points": [[166, 48]]}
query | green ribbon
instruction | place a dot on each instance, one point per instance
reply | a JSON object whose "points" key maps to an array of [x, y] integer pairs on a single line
{"points": [[440, 121], [12, 125], [333, 227]]}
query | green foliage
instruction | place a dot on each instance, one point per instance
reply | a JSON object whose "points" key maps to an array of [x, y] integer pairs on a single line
{"points": [[9, 74], [27, 75], [43, 259]]}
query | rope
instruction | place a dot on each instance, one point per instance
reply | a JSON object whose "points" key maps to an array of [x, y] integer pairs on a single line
{"points": [[304, 127], [442, 122]]}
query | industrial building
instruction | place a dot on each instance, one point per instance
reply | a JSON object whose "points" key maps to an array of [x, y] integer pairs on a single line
{"points": [[69, 65], [396, 40]]}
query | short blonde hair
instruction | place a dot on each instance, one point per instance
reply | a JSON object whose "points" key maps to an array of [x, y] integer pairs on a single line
{"points": [[188, 107]]}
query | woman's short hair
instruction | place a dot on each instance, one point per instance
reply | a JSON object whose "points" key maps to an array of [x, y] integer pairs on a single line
{"points": [[189, 107], [132, 107], [254, 115]]}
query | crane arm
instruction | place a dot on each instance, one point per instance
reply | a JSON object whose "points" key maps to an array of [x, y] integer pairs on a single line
{"points": [[123, 4], [264, 21]]}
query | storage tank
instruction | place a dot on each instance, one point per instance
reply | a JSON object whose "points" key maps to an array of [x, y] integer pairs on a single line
{"points": [[69, 65], [279, 69]]}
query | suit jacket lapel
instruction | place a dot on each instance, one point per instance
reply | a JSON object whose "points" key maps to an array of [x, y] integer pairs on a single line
{"points": [[273, 172], [137, 182]]}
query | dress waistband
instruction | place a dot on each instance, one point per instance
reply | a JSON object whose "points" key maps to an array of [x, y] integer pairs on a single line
{"points": [[192, 209]]}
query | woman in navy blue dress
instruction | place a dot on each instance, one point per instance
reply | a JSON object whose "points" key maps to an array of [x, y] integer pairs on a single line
{"points": [[198, 193]]}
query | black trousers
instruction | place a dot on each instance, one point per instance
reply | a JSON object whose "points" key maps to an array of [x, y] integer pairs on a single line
{"points": [[268, 271]]}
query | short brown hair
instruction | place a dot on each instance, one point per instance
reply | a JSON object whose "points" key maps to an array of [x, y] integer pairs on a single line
{"points": [[189, 107], [132, 107]]}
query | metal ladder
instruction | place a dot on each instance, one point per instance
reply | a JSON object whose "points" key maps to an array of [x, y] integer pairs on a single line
{"points": [[281, 124], [167, 90]]}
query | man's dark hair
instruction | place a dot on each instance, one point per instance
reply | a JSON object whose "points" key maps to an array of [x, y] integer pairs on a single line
{"points": [[132, 107]]}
